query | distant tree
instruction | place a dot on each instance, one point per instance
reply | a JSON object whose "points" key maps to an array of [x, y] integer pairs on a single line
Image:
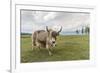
{"points": [[82, 31], [77, 31], [87, 30]]}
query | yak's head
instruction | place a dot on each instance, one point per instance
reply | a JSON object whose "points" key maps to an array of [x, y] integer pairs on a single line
{"points": [[52, 36]]}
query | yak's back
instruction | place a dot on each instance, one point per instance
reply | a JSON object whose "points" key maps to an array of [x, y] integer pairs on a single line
{"points": [[40, 35]]}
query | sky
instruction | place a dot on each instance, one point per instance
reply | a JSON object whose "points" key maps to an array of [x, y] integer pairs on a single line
{"points": [[32, 20]]}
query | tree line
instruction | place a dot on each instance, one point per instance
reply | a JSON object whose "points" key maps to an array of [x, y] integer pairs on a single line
{"points": [[85, 30]]}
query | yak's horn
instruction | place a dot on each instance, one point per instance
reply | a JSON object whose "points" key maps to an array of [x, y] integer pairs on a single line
{"points": [[60, 30], [47, 28]]}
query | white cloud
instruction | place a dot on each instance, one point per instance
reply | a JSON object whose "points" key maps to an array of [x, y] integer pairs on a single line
{"points": [[56, 27], [50, 16], [71, 21], [37, 20], [38, 15]]}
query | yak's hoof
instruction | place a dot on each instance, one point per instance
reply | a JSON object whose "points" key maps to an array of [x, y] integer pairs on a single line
{"points": [[50, 54]]}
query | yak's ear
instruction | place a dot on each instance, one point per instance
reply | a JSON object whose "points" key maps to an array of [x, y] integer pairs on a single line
{"points": [[47, 28]]}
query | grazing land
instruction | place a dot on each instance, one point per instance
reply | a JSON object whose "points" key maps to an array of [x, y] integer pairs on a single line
{"points": [[69, 47]]}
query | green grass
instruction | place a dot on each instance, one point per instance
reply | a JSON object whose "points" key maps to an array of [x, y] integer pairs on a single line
{"points": [[72, 47]]}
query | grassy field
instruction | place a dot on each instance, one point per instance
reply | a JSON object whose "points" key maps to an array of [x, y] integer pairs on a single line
{"points": [[71, 47]]}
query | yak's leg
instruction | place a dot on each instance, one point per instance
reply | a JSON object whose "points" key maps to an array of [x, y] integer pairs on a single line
{"points": [[47, 47], [32, 42], [33, 46], [38, 45], [51, 49], [35, 42]]}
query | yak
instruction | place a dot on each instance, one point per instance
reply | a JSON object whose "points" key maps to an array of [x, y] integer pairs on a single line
{"points": [[45, 38]]}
